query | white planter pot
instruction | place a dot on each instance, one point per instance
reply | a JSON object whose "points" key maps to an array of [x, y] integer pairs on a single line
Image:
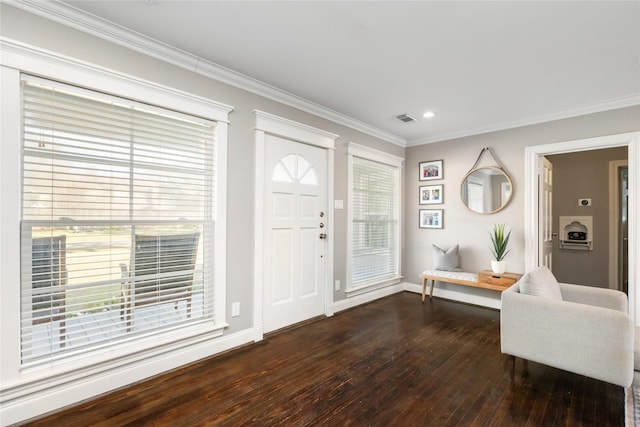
{"points": [[498, 267]]}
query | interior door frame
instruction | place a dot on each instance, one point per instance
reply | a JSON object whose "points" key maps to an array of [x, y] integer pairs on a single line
{"points": [[267, 123], [632, 142], [614, 219]]}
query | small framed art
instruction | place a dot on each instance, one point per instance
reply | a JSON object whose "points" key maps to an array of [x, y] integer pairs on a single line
{"points": [[430, 218], [433, 169], [431, 194]]}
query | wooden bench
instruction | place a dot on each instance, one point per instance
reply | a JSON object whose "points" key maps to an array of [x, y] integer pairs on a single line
{"points": [[486, 279]]}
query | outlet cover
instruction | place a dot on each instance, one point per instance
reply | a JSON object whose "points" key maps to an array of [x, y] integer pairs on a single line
{"points": [[235, 309], [337, 287], [584, 202]]}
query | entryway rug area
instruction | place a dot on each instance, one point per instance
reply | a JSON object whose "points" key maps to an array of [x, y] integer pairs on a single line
{"points": [[632, 406]]}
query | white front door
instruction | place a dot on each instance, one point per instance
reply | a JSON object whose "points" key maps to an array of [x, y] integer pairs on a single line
{"points": [[295, 221], [545, 179]]}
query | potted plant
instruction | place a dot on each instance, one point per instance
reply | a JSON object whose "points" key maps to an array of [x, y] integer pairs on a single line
{"points": [[499, 243]]}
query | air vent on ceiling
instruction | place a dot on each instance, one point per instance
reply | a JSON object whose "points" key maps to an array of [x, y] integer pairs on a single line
{"points": [[406, 118]]}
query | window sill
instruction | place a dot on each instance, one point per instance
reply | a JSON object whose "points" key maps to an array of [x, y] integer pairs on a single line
{"points": [[126, 352], [362, 288]]}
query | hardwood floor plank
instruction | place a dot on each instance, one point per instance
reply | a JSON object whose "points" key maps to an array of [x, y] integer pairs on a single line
{"points": [[394, 361]]}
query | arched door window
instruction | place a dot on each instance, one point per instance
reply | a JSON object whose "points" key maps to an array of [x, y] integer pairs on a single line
{"points": [[295, 168]]}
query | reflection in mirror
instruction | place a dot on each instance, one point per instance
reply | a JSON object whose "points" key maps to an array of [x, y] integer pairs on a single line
{"points": [[486, 190]]}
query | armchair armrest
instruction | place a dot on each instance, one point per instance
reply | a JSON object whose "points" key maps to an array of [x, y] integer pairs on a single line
{"points": [[580, 338], [599, 297]]}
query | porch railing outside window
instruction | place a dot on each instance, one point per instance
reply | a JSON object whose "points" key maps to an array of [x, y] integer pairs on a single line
{"points": [[98, 171]]}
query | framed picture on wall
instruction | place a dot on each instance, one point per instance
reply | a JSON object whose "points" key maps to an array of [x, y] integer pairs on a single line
{"points": [[430, 218], [431, 194], [433, 169]]}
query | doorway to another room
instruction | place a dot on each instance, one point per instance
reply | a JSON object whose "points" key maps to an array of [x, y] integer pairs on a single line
{"points": [[619, 229], [534, 206], [584, 236]]}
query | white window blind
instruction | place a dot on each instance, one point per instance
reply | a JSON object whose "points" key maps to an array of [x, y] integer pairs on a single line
{"points": [[375, 221], [118, 202]]}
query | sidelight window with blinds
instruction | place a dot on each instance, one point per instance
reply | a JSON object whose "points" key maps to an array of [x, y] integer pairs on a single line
{"points": [[117, 220], [375, 217]]}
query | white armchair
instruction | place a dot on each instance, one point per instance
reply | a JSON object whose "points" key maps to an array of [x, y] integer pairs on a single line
{"points": [[588, 331]]}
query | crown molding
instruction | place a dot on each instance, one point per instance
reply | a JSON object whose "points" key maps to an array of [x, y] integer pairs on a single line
{"points": [[612, 104], [81, 21], [369, 153], [299, 131]]}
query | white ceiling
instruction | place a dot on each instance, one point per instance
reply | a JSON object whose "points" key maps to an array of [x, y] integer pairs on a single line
{"points": [[480, 66]]}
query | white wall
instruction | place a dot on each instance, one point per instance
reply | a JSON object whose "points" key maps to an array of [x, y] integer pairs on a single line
{"points": [[24, 396], [469, 229], [460, 225]]}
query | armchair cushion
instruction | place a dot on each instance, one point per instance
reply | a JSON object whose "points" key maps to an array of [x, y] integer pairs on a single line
{"points": [[542, 283]]}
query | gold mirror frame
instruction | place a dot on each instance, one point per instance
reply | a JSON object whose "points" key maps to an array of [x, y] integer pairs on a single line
{"points": [[495, 179], [499, 183]]}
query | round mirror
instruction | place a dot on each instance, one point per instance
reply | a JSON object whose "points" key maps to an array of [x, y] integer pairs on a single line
{"points": [[486, 190]]}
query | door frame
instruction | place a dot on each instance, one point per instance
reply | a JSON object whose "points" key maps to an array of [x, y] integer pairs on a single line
{"points": [[630, 140], [614, 219], [267, 123], [546, 233]]}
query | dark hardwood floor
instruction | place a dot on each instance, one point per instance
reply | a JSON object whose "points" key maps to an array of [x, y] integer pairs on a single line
{"points": [[393, 362]]}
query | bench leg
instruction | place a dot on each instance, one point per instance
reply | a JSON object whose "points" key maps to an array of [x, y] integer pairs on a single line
{"points": [[425, 283]]}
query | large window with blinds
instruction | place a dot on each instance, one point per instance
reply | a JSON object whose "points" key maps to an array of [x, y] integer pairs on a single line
{"points": [[375, 217], [117, 220]]}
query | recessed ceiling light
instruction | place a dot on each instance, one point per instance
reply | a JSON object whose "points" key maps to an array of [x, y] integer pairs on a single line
{"points": [[428, 114]]}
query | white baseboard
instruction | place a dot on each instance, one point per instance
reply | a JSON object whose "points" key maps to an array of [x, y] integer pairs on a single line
{"points": [[466, 294], [461, 293], [364, 298], [27, 405]]}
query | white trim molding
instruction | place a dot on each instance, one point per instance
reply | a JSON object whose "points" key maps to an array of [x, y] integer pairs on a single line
{"points": [[25, 394], [375, 155], [74, 18], [289, 129], [614, 220], [610, 104], [21, 404], [531, 227], [449, 291], [372, 154], [54, 66], [267, 123]]}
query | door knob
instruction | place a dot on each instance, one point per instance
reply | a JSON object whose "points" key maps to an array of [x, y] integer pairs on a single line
{"points": [[322, 225], [323, 236]]}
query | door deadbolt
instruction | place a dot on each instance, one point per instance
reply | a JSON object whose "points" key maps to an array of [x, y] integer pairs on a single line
{"points": [[322, 225], [321, 214]]}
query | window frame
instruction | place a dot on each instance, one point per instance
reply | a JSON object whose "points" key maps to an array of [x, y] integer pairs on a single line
{"points": [[98, 79], [140, 155], [363, 152]]}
